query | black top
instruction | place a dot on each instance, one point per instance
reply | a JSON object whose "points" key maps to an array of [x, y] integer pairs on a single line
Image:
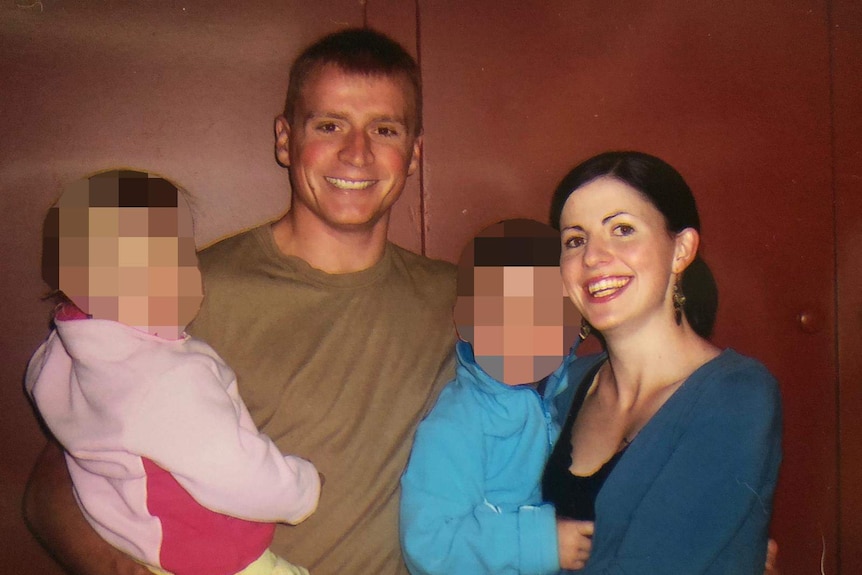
{"points": [[574, 496]]}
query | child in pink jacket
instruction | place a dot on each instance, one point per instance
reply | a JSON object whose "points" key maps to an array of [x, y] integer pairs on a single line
{"points": [[166, 462]]}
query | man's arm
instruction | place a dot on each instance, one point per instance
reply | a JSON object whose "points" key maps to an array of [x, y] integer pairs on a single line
{"points": [[53, 516]]}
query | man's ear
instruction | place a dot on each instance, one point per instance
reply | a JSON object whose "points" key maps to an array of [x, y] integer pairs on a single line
{"points": [[282, 141], [685, 249], [416, 156]]}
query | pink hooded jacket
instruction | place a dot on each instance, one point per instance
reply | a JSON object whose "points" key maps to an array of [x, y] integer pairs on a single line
{"points": [[166, 462]]}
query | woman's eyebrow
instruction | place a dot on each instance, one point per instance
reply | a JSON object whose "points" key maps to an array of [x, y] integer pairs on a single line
{"points": [[612, 216]]}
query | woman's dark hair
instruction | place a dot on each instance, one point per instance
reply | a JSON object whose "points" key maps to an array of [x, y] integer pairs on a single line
{"points": [[666, 189]]}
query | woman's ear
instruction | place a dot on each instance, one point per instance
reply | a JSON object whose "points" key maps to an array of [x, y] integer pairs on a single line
{"points": [[685, 249]]}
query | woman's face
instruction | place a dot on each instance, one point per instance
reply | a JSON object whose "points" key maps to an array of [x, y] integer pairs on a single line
{"points": [[618, 259]]}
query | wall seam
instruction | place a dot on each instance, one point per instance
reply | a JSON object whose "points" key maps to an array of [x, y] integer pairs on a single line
{"points": [[423, 216], [830, 40]]}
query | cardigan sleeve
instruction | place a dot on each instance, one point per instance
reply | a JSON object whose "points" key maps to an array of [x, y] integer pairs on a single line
{"points": [[447, 525], [716, 485], [193, 424]]}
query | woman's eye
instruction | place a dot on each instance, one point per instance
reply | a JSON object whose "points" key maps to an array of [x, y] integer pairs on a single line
{"points": [[624, 230], [574, 242]]}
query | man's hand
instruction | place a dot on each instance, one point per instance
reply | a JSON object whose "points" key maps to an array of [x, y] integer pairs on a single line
{"points": [[53, 516], [575, 539]]}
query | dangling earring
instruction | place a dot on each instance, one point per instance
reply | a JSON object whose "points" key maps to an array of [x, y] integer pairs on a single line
{"points": [[678, 303], [586, 328]]}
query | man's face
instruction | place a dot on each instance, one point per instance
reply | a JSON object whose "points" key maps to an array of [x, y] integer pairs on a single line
{"points": [[350, 148]]}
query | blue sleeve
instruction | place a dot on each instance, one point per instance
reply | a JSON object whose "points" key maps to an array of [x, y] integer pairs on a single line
{"points": [[710, 504], [447, 525]]}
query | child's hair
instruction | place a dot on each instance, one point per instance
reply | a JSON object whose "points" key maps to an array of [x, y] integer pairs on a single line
{"points": [[510, 243]]}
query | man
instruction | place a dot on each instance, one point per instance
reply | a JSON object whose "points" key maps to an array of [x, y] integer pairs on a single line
{"points": [[340, 340]]}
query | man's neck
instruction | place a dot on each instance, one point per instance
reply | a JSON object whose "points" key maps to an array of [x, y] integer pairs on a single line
{"points": [[331, 250]]}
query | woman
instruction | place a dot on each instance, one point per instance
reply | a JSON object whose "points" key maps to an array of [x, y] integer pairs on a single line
{"points": [[671, 445]]}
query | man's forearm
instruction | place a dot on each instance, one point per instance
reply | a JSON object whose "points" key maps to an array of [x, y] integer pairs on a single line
{"points": [[53, 516]]}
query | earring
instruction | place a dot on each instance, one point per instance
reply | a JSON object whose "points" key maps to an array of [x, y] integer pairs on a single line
{"points": [[586, 328], [678, 303]]}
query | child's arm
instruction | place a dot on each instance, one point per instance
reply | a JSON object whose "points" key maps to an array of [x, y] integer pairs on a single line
{"points": [[447, 524], [190, 425]]}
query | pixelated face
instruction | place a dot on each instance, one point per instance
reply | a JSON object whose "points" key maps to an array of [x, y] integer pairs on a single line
{"points": [[127, 262], [517, 317]]}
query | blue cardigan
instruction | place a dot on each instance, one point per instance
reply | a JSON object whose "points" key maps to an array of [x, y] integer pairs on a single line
{"points": [[693, 492]]}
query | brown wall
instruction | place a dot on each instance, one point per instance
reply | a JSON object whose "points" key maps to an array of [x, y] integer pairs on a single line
{"points": [[755, 102]]}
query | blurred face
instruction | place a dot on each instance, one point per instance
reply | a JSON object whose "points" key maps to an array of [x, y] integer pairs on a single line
{"points": [[350, 148], [514, 321], [136, 265], [618, 261]]}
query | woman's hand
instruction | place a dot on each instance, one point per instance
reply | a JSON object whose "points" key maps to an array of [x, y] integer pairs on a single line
{"points": [[575, 539], [771, 558]]}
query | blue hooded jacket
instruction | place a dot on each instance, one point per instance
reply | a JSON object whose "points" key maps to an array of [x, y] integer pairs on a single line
{"points": [[471, 499]]}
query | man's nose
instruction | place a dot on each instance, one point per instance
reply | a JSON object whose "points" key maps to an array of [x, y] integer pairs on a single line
{"points": [[356, 149]]}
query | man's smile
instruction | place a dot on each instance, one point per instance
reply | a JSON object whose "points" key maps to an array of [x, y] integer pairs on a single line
{"points": [[350, 184]]}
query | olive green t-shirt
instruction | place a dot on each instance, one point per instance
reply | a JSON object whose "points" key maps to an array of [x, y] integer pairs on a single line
{"points": [[338, 369]]}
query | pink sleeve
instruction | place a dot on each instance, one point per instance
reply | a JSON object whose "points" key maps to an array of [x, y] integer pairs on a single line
{"points": [[195, 426]]}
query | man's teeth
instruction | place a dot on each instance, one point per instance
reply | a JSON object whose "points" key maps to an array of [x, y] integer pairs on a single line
{"points": [[606, 287], [349, 184]]}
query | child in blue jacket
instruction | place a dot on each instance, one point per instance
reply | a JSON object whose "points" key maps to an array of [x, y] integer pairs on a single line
{"points": [[471, 495]]}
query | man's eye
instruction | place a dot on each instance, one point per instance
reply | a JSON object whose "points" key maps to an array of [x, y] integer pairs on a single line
{"points": [[387, 131], [327, 127]]}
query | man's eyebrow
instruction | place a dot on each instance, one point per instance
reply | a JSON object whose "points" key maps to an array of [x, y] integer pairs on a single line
{"points": [[311, 116], [325, 116], [392, 119]]}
